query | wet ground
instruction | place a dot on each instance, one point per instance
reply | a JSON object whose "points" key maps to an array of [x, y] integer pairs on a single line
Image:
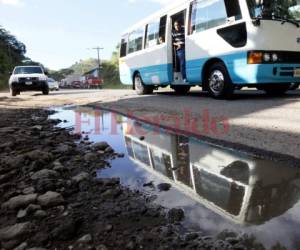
{"points": [[218, 188], [252, 120]]}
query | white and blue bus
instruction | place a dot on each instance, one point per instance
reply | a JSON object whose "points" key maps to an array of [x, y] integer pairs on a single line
{"points": [[229, 44]]}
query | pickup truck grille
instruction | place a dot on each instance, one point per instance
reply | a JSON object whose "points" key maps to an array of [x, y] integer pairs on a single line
{"points": [[28, 79]]}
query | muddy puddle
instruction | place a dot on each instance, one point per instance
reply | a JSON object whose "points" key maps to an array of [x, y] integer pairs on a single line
{"points": [[218, 188]]}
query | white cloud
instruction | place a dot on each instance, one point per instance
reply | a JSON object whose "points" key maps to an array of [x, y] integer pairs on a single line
{"points": [[16, 3]]}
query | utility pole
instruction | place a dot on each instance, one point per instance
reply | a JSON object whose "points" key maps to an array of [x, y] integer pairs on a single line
{"points": [[99, 61]]}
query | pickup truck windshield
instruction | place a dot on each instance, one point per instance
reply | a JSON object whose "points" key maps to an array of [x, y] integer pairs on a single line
{"points": [[28, 70], [280, 9]]}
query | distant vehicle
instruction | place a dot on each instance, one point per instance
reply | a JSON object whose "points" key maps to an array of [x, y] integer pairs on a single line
{"points": [[94, 82], [28, 78], [62, 84], [52, 84], [76, 84], [251, 43], [93, 79]]}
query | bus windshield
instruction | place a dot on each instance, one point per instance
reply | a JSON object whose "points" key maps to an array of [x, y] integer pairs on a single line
{"points": [[280, 9]]}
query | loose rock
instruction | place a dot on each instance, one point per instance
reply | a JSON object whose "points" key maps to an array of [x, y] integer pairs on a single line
{"points": [[50, 199], [40, 214], [20, 201], [100, 146], [12, 232], [81, 177], [44, 173], [23, 246], [85, 239], [175, 215], [164, 187], [22, 214]]}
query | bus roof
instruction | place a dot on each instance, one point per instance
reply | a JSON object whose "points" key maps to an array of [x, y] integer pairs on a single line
{"points": [[159, 13]]}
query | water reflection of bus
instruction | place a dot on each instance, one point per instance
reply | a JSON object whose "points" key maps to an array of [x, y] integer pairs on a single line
{"points": [[239, 187]]}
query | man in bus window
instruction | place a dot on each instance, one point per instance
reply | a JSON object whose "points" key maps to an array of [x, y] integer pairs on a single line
{"points": [[179, 45]]}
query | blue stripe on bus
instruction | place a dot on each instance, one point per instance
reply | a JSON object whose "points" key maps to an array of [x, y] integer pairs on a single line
{"points": [[239, 70], [158, 74]]}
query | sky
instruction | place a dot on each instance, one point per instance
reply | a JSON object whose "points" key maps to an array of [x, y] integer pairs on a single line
{"points": [[59, 33]]}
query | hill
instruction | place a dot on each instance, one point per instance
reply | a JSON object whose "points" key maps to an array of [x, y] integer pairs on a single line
{"points": [[109, 70]]}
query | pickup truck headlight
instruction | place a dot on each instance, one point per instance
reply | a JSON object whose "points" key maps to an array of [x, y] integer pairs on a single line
{"points": [[15, 79], [42, 78]]}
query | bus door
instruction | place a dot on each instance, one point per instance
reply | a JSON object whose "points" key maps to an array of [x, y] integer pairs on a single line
{"points": [[180, 18], [157, 70]]}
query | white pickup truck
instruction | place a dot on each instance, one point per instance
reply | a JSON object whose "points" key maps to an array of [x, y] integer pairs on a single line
{"points": [[28, 78]]}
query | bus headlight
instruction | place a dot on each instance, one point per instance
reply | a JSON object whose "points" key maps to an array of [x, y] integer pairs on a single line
{"points": [[255, 57], [267, 57], [274, 57], [264, 57]]}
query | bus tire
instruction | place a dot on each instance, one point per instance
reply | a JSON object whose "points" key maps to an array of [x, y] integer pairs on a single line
{"points": [[140, 87], [219, 83], [276, 89], [181, 90]]}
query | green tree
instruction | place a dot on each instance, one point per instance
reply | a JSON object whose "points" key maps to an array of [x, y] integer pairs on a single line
{"points": [[12, 53], [60, 74]]}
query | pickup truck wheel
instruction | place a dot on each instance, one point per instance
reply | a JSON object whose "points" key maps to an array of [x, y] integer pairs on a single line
{"points": [[46, 91], [14, 92]]}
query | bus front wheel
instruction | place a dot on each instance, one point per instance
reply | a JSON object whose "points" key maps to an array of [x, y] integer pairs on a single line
{"points": [[276, 89], [140, 87], [219, 83]]}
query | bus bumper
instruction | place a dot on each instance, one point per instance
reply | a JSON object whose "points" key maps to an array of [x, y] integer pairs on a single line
{"points": [[264, 73]]}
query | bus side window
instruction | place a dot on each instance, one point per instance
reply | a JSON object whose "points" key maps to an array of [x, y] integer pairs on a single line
{"points": [[207, 14], [192, 23], [162, 29], [123, 49], [135, 41], [152, 34], [233, 9]]}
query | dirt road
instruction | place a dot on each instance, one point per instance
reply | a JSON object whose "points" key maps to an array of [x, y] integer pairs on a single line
{"points": [[252, 119]]}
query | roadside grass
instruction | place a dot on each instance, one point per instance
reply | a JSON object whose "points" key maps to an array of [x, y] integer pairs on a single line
{"points": [[3, 84], [116, 86]]}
